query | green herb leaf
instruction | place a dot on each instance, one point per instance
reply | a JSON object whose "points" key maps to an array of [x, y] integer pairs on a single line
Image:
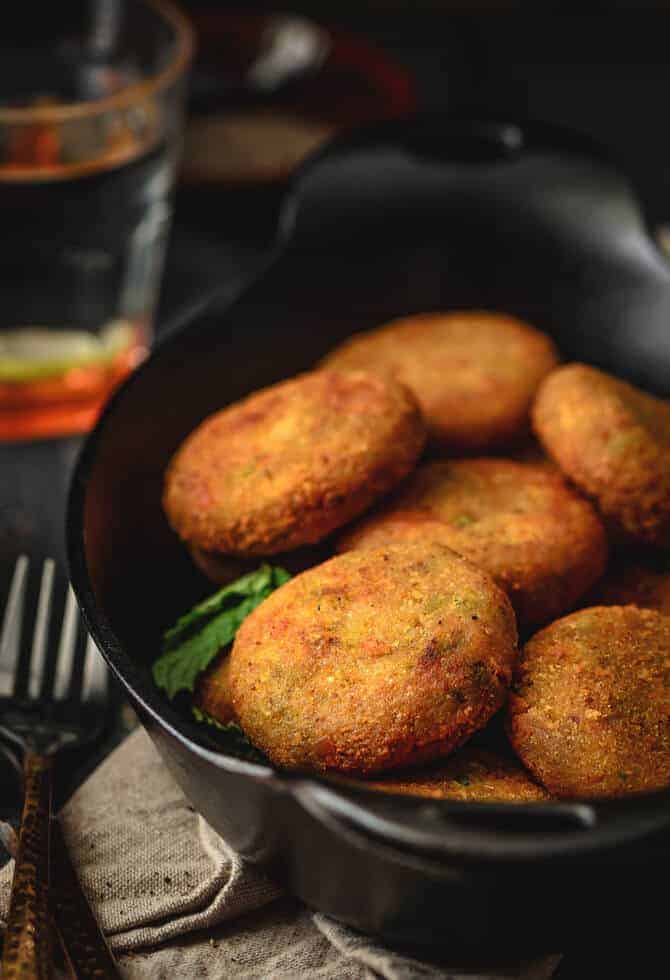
{"points": [[463, 520], [207, 719], [264, 580], [231, 736], [192, 643]]}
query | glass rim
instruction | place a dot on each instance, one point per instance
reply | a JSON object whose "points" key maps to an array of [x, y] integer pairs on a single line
{"points": [[136, 92]]}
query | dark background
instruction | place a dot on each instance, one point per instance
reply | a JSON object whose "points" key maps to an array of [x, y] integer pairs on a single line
{"points": [[601, 68]]}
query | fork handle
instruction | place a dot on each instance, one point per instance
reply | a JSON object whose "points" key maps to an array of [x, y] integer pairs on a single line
{"points": [[84, 945], [27, 948]]}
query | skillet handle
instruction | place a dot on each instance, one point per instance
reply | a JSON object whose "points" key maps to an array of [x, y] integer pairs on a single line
{"points": [[520, 216], [447, 830], [457, 833], [407, 177], [28, 941]]}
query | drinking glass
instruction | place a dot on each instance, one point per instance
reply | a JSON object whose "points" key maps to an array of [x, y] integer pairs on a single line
{"points": [[91, 104]]}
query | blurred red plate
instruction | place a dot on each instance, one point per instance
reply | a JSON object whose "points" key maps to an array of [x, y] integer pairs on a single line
{"points": [[252, 122]]}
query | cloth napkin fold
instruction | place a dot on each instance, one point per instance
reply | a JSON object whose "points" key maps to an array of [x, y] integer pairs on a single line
{"points": [[176, 901]]}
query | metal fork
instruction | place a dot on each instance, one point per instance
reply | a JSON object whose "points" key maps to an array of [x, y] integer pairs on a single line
{"points": [[53, 695]]}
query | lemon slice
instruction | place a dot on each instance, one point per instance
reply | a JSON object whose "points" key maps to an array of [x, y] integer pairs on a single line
{"points": [[32, 353]]}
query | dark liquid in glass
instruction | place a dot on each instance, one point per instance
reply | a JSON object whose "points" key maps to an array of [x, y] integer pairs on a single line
{"points": [[85, 207]]}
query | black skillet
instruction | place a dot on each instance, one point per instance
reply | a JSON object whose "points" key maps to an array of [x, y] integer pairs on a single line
{"points": [[403, 217]]}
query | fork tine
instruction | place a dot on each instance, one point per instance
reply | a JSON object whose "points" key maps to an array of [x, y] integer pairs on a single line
{"points": [[95, 682], [66, 647], [38, 652], [10, 638]]}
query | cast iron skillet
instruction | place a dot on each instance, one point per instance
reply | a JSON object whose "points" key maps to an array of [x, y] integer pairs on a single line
{"points": [[400, 218]]}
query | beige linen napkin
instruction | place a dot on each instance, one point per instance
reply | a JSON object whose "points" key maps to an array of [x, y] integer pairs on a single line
{"points": [[177, 902]]}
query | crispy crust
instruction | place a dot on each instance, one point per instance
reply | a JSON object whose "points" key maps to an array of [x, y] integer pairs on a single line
{"points": [[291, 463], [212, 693], [613, 441], [221, 569], [374, 660], [224, 569], [472, 775], [474, 372], [590, 711], [541, 542], [634, 584]]}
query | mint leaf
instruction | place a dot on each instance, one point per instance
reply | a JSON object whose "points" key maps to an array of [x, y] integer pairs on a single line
{"points": [[264, 580], [207, 719], [231, 736], [192, 643]]}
